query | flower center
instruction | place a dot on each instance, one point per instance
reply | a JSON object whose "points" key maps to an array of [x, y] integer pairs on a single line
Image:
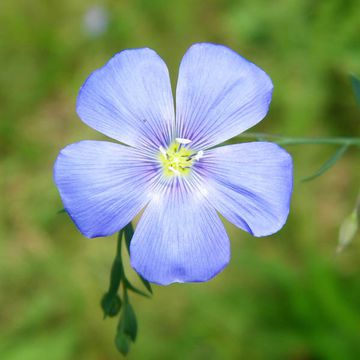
{"points": [[178, 159]]}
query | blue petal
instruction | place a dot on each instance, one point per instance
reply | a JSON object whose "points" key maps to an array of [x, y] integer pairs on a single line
{"points": [[250, 184], [103, 185], [130, 99], [179, 238], [219, 95]]}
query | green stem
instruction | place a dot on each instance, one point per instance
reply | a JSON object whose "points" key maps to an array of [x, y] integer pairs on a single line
{"points": [[117, 270], [119, 243], [119, 259], [285, 140], [126, 296]]}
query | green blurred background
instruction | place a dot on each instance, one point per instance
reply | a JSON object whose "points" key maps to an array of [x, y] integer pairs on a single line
{"points": [[282, 297]]}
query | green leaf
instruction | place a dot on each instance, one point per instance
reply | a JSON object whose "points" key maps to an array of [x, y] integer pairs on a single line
{"points": [[356, 86], [111, 304], [122, 343], [129, 233], [328, 164], [62, 211], [117, 270], [134, 289], [119, 243], [115, 276], [146, 284]]}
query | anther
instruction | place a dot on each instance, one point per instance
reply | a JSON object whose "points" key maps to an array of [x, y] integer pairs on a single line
{"points": [[199, 155], [183, 141], [177, 172], [196, 156], [163, 151]]}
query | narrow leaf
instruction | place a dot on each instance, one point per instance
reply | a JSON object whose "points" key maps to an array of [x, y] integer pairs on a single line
{"points": [[134, 289], [117, 270], [146, 284], [129, 233], [356, 86], [119, 244], [115, 276], [328, 164], [62, 211]]}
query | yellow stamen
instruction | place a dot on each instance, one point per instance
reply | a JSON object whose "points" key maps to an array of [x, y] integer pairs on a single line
{"points": [[178, 158]]}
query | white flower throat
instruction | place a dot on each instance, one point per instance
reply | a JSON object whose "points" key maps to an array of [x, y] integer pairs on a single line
{"points": [[178, 159]]}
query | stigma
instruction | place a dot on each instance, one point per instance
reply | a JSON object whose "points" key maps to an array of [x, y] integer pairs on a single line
{"points": [[178, 158]]}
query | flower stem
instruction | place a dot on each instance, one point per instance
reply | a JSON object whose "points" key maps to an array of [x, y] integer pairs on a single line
{"points": [[286, 140], [112, 303]]}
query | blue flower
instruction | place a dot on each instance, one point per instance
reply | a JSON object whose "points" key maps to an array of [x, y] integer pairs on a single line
{"points": [[169, 164]]}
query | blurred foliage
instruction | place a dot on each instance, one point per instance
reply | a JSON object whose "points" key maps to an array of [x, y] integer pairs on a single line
{"points": [[282, 297]]}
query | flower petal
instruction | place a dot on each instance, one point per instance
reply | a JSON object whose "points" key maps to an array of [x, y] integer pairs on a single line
{"points": [[130, 99], [250, 184], [179, 238], [219, 95], [103, 185]]}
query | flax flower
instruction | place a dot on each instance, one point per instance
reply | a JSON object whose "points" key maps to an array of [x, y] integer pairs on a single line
{"points": [[166, 160]]}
